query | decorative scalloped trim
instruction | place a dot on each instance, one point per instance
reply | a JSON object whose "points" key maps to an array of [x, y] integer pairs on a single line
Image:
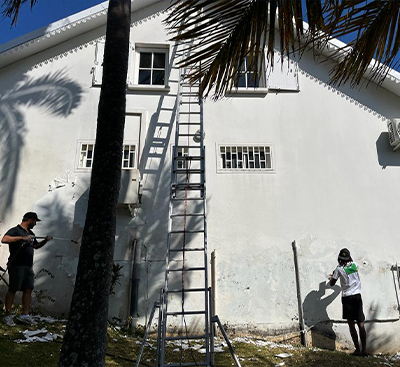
{"points": [[71, 25], [344, 95], [53, 33], [92, 42]]}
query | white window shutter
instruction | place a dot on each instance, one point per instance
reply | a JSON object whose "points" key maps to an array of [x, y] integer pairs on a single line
{"points": [[130, 76], [283, 76], [98, 63]]}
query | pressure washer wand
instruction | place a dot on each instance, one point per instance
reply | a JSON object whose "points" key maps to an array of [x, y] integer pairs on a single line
{"points": [[54, 238]]}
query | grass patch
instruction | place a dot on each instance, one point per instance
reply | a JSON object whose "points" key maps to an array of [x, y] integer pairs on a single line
{"points": [[122, 350]]}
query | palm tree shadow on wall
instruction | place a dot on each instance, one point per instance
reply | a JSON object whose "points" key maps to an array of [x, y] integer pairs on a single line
{"points": [[316, 316], [55, 94]]}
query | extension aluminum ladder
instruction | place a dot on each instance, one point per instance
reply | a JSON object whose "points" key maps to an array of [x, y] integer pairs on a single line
{"points": [[186, 295], [185, 300]]}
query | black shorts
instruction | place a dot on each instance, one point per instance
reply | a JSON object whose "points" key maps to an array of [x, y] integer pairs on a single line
{"points": [[353, 308], [20, 278]]}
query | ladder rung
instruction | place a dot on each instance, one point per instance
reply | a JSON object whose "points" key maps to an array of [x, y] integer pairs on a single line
{"points": [[186, 290], [187, 269], [188, 199], [189, 112], [184, 187], [190, 102], [188, 146], [176, 313], [190, 123], [189, 94], [188, 215], [187, 249], [187, 231], [189, 170], [185, 364], [193, 337], [189, 158], [186, 135]]}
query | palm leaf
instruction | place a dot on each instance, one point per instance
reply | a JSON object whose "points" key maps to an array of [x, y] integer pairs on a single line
{"points": [[11, 140], [375, 28], [220, 34], [56, 93], [12, 7]]}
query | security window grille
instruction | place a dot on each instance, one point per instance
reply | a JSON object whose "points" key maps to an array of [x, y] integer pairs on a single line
{"points": [[128, 156], [247, 77], [246, 158], [152, 68], [182, 152]]}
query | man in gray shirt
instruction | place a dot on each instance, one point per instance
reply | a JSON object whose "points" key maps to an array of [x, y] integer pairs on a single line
{"points": [[21, 242]]}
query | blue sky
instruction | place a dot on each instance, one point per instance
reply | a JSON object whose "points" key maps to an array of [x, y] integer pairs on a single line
{"points": [[42, 14]]}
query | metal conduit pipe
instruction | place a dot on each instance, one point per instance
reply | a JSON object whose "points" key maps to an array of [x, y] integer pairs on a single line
{"points": [[214, 290], [133, 308], [303, 330]]}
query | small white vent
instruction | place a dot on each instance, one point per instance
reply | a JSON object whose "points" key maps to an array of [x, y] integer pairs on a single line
{"points": [[394, 133]]}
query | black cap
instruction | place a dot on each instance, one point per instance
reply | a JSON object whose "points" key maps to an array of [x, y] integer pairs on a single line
{"points": [[31, 215], [344, 254]]}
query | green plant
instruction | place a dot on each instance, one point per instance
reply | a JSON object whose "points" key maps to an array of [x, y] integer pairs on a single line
{"points": [[116, 274]]}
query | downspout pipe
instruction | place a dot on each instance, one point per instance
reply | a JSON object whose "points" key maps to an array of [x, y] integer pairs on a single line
{"points": [[303, 331], [133, 309]]}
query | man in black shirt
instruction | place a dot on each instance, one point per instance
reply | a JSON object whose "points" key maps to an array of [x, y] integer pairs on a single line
{"points": [[21, 242]]}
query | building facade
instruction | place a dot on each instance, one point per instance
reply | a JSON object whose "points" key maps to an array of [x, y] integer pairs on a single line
{"points": [[291, 158]]}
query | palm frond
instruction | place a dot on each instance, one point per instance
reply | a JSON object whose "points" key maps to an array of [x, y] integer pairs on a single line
{"points": [[12, 7], [56, 93], [12, 131], [375, 28], [225, 32]]}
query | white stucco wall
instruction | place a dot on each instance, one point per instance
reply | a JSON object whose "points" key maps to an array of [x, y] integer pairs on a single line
{"points": [[334, 185]]}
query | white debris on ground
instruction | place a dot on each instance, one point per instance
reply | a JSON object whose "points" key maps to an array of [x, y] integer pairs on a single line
{"points": [[48, 319], [263, 343], [32, 336], [280, 364], [395, 357], [283, 355]]}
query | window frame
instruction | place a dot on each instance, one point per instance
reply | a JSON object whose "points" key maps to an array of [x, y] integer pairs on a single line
{"points": [[92, 142], [262, 81], [150, 48], [260, 170]]}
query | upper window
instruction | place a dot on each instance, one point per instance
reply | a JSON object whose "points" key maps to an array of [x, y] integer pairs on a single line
{"points": [[151, 67], [87, 151], [247, 77], [245, 158]]}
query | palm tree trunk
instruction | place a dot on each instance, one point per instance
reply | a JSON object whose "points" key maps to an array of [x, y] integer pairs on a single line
{"points": [[85, 337]]}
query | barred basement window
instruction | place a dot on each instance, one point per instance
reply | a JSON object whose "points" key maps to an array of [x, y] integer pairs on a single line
{"points": [[128, 156], [182, 152], [246, 158]]}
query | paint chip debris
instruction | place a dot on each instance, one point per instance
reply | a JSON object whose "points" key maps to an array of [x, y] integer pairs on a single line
{"points": [[283, 355], [31, 336]]}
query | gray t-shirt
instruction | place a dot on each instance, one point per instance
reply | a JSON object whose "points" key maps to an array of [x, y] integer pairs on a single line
{"points": [[349, 279], [21, 252]]}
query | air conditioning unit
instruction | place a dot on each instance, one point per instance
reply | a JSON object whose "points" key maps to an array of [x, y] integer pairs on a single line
{"points": [[394, 133], [129, 193]]}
